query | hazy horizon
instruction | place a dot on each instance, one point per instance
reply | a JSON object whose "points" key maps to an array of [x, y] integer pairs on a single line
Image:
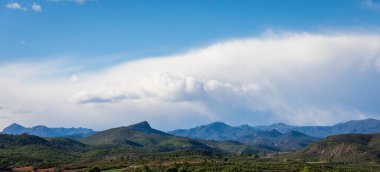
{"points": [[101, 64]]}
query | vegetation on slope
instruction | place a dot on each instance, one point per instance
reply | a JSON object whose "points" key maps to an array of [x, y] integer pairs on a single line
{"points": [[343, 148], [22, 150]]}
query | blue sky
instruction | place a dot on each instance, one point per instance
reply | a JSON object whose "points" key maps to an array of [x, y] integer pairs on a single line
{"points": [[106, 63], [138, 29]]}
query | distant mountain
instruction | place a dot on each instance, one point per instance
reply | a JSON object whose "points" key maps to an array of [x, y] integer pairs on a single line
{"points": [[215, 131], [354, 126], [289, 141], [352, 148], [44, 131], [219, 131]]}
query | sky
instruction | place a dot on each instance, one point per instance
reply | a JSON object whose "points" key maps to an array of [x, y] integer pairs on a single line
{"points": [[178, 64]]}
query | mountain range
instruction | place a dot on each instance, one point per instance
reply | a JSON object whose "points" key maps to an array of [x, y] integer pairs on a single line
{"points": [[355, 127], [44, 131], [219, 131], [127, 143], [222, 131], [275, 137]]}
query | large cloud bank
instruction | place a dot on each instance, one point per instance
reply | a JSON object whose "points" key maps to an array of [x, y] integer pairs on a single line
{"points": [[297, 78]]}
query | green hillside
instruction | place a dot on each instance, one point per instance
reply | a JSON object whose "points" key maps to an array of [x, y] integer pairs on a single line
{"points": [[354, 148], [22, 150], [238, 148], [142, 135]]}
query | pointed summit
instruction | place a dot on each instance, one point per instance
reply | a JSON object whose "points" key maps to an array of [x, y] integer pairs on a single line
{"points": [[140, 126], [145, 127]]}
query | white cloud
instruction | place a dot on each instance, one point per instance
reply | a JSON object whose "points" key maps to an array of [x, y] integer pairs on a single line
{"points": [[36, 7], [15, 6], [298, 78], [166, 87]]}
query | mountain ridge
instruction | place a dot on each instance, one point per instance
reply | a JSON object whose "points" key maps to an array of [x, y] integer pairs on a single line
{"points": [[364, 126], [44, 131], [213, 131], [246, 134]]}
